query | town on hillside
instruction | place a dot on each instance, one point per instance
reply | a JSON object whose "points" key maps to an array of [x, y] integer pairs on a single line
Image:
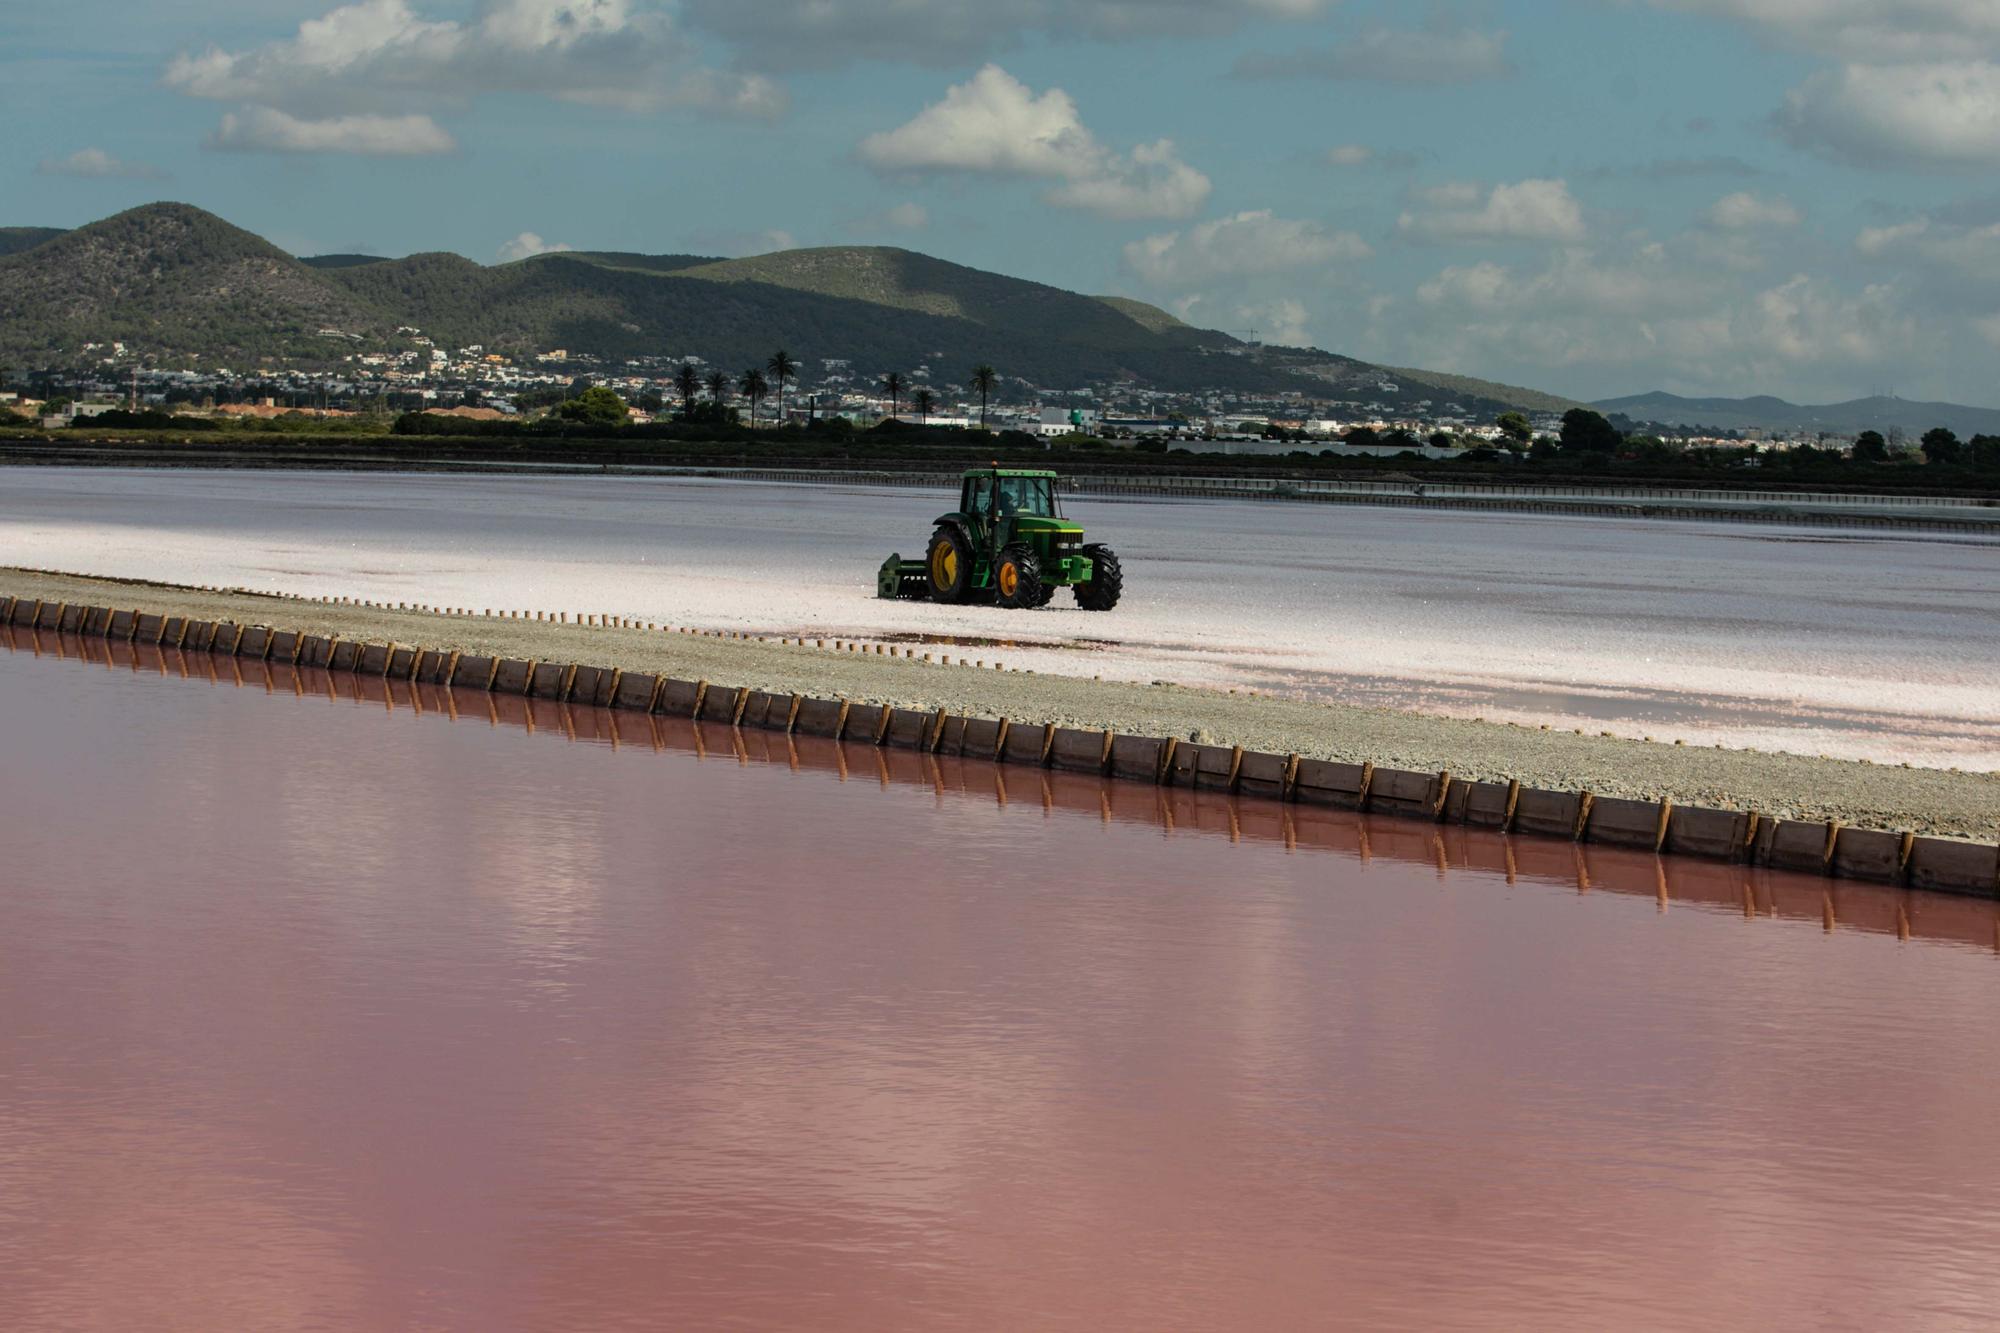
{"points": [[475, 384]]}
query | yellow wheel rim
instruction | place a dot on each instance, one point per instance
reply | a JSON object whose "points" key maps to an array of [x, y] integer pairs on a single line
{"points": [[1010, 579], [944, 565]]}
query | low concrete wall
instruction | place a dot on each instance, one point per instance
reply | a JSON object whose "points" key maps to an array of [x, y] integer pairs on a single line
{"points": [[682, 698], [821, 717], [1399, 792], [1489, 804], [1551, 814], [1795, 844], [718, 705], [1140, 758], [1718, 835], [1334, 785], [1622, 823], [980, 737], [1027, 745], [908, 729], [637, 691], [475, 672], [1882, 856], [1265, 775]]}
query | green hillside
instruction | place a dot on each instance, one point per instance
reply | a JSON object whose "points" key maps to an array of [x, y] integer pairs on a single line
{"points": [[13, 239], [894, 279], [173, 278], [642, 263], [729, 314], [1467, 389], [341, 261], [1149, 317], [178, 285]]}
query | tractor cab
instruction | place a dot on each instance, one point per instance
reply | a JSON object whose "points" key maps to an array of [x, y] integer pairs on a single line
{"points": [[990, 503]]}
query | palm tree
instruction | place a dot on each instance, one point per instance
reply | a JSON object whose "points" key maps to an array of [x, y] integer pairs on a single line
{"points": [[754, 387], [925, 402], [687, 382], [983, 381], [893, 384], [718, 386], [782, 368]]}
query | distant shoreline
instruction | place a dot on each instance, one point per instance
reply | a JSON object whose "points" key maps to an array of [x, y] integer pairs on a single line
{"points": [[1113, 471]]}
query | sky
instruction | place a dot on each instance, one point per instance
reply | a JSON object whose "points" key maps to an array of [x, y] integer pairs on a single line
{"points": [[1592, 197]]}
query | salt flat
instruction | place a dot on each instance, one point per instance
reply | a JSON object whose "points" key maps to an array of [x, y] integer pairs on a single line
{"points": [[1864, 644]]}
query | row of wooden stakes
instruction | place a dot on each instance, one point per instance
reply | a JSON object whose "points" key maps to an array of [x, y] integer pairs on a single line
{"points": [[1809, 846]]}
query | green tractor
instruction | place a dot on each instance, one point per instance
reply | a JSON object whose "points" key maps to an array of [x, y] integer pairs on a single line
{"points": [[1007, 543]]}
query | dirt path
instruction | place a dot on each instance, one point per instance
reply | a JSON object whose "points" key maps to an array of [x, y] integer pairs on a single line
{"points": [[1917, 799]]}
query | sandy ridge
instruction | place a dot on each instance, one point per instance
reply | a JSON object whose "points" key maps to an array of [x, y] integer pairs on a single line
{"points": [[1920, 800]]}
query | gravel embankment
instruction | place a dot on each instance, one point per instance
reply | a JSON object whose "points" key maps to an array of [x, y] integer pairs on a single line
{"points": [[1919, 799]]}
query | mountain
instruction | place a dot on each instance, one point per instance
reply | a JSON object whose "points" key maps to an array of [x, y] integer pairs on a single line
{"points": [[1467, 389], [917, 284], [13, 239], [1766, 413], [1146, 316], [341, 261], [171, 279], [876, 309], [643, 263], [181, 286]]}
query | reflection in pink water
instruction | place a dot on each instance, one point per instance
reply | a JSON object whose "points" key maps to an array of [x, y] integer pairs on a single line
{"points": [[319, 1011]]}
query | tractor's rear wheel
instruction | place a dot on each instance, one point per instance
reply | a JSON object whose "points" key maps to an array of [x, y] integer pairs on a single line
{"points": [[1018, 578], [1107, 580], [1047, 594], [950, 565]]}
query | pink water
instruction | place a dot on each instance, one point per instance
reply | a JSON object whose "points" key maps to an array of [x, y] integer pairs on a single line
{"points": [[331, 1004]]}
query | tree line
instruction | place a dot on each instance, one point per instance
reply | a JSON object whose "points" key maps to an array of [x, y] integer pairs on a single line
{"points": [[600, 406]]}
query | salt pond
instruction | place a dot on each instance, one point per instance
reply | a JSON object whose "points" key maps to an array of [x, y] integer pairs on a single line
{"points": [[1865, 644], [328, 1002]]}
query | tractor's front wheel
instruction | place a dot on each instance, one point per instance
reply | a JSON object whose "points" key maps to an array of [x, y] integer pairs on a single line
{"points": [[950, 565], [1018, 578], [1107, 580]]}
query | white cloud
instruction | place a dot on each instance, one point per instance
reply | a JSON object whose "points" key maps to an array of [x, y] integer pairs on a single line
{"points": [[1807, 321], [1663, 314], [264, 129], [1573, 282], [1245, 245], [528, 244], [782, 34], [995, 125], [1443, 52], [1941, 116], [375, 62], [1871, 30], [96, 164], [1920, 87], [1149, 182], [1352, 155], [1531, 210], [1959, 250], [1745, 212], [1282, 322]]}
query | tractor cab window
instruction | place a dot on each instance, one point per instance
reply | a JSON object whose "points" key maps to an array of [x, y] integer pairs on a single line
{"points": [[978, 500], [1033, 496]]}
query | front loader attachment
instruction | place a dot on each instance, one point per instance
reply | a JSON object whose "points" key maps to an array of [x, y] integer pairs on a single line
{"points": [[903, 580]]}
